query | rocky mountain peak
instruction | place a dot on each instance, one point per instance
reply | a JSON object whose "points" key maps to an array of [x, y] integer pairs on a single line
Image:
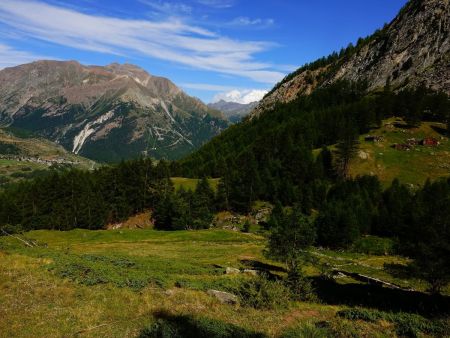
{"points": [[86, 108], [413, 49]]}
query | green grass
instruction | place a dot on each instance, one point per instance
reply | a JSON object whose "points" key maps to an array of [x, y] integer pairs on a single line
{"points": [[191, 183], [410, 167], [117, 283], [410, 325]]}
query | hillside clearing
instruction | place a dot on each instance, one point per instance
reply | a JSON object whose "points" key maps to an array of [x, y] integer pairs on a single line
{"points": [[191, 183]]}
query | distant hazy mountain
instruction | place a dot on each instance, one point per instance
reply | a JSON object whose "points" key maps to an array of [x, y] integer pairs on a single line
{"points": [[233, 111], [105, 113]]}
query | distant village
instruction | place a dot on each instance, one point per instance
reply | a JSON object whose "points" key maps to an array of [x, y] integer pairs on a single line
{"points": [[30, 159]]}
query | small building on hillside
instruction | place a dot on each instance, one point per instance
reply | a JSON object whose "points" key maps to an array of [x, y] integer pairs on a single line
{"points": [[401, 146], [429, 141], [412, 141], [374, 138]]}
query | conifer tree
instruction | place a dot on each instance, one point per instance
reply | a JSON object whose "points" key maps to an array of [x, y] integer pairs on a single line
{"points": [[346, 149]]}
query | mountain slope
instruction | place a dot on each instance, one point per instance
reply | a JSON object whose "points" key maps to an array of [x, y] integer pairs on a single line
{"points": [[318, 106], [105, 113], [27, 156], [413, 49], [233, 111]]}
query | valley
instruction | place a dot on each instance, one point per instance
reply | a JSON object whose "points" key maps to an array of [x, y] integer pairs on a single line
{"points": [[131, 208]]}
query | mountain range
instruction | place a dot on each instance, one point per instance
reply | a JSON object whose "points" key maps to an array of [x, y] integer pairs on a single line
{"points": [[233, 111], [114, 112], [105, 113]]}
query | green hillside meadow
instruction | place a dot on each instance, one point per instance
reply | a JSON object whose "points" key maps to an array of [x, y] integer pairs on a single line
{"points": [[116, 283]]}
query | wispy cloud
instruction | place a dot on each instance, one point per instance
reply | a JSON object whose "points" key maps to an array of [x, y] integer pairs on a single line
{"points": [[207, 87], [171, 40], [170, 8], [217, 3], [11, 57], [244, 21]]}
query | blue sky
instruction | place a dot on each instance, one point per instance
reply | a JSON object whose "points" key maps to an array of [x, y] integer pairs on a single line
{"points": [[232, 49]]}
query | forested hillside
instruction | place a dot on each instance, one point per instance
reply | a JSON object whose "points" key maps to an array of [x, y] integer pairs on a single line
{"points": [[270, 157]]}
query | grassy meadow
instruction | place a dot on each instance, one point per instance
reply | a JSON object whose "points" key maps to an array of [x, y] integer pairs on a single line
{"points": [[412, 167], [191, 183], [116, 283]]}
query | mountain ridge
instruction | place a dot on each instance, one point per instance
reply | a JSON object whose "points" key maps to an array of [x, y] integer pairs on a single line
{"points": [[413, 49], [118, 109], [233, 111]]}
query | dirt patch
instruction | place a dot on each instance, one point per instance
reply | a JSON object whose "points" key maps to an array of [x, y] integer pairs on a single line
{"points": [[297, 315], [139, 221]]}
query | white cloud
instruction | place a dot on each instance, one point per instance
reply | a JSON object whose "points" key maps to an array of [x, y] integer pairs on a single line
{"points": [[241, 96], [12, 57], [217, 3], [170, 8], [243, 21], [170, 40], [207, 87]]}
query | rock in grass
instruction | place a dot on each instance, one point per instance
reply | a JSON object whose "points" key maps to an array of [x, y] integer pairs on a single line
{"points": [[232, 271], [251, 272], [223, 297]]}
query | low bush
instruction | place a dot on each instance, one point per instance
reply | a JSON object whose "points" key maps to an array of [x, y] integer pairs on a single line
{"points": [[92, 270], [10, 229], [406, 324], [261, 293], [182, 326], [300, 286], [373, 245]]}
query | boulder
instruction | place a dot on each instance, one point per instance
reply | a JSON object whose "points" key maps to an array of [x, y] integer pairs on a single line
{"points": [[251, 272], [223, 297], [232, 271]]}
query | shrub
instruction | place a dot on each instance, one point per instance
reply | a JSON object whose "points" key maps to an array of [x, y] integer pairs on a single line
{"points": [[373, 245], [406, 324], [301, 287], [92, 270], [246, 226], [191, 327], [261, 293], [10, 229]]}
